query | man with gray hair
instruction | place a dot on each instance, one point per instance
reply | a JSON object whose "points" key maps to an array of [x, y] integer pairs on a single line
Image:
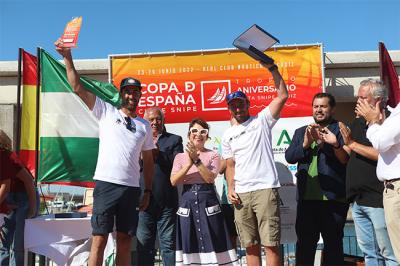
{"points": [[161, 214], [363, 189], [384, 134]]}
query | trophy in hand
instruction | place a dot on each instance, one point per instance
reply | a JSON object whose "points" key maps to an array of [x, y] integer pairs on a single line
{"points": [[254, 41], [71, 32]]}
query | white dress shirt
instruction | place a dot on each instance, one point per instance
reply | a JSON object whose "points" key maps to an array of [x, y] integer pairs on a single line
{"points": [[386, 139]]}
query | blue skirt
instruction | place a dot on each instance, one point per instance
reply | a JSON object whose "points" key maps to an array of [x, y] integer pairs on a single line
{"points": [[202, 236]]}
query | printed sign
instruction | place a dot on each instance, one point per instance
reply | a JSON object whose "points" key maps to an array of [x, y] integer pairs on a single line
{"points": [[71, 32], [192, 84]]}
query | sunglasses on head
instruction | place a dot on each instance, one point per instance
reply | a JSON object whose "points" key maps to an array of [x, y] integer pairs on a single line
{"points": [[234, 95], [131, 127], [203, 131]]}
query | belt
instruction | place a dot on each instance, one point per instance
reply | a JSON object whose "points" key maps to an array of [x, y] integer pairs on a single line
{"points": [[198, 187], [389, 183]]}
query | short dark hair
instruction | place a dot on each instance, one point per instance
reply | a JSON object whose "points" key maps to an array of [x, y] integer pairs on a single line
{"points": [[199, 121], [331, 99]]}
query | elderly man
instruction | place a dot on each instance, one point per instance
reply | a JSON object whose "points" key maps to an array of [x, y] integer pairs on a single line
{"points": [[384, 134], [124, 138], [253, 182], [161, 214], [363, 189]]}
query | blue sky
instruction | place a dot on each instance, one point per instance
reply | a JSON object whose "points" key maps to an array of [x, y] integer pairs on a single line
{"points": [[137, 26], [133, 26]]}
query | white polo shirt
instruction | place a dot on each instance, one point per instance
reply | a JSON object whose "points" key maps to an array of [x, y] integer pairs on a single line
{"points": [[250, 144], [385, 139], [120, 148]]}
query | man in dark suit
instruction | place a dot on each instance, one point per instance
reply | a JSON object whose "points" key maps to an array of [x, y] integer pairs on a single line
{"points": [[161, 214], [321, 171]]}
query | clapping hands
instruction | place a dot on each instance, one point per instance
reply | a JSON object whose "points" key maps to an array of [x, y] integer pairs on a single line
{"points": [[192, 151], [320, 135]]}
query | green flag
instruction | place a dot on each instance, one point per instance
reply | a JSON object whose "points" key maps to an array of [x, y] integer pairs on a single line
{"points": [[68, 130]]}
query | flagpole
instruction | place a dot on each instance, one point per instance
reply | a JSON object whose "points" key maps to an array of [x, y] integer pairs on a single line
{"points": [[37, 116], [380, 49], [19, 114]]}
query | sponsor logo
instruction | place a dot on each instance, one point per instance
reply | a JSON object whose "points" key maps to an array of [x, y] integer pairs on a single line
{"points": [[284, 138], [213, 94]]}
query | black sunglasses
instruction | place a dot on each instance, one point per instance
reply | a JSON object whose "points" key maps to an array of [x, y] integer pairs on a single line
{"points": [[131, 127]]}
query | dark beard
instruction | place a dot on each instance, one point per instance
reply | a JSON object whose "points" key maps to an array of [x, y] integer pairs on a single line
{"points": [[124, 104], [324, 122]]}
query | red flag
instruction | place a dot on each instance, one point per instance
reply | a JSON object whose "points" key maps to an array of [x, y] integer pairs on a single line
{"points": [[28, 123], [389, 76]]}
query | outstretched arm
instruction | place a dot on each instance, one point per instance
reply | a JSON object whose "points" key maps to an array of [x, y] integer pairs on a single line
{"points": [[73, 77], [278, 102]]}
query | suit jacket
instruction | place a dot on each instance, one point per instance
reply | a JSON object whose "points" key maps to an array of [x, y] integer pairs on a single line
{"points": [[331, 172], [164, 194]]}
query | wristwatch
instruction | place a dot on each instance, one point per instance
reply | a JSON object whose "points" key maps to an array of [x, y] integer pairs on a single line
{"points": [[197, 162]]}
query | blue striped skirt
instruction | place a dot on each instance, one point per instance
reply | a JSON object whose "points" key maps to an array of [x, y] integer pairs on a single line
{"points": [[202, 236]]}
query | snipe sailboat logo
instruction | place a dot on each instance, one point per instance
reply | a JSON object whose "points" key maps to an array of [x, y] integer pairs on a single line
{"points": [[218, 97], [213, 93]]}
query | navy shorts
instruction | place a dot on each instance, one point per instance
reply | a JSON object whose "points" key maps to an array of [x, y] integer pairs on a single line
{"points": [[112, 200]]}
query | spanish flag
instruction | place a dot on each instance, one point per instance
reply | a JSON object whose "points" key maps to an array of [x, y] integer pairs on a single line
{"points": [[28, 116]]}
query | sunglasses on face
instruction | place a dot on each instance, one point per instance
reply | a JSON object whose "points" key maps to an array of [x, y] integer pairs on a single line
{"points": [[196, 131]]}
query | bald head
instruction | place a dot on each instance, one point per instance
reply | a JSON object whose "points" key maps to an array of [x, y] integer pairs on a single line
{"points": [[156, 118]]}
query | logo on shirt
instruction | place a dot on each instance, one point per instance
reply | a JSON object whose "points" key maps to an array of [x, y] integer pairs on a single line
{"points": [[213, 93]]}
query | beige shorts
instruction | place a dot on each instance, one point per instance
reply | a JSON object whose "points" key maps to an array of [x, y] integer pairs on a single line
{"points": [[257, 218]]}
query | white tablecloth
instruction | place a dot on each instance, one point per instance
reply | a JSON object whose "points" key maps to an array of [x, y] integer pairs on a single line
{"points": [[66, 241]]}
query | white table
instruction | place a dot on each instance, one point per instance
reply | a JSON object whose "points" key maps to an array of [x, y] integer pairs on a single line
{"points": [[66, 241]]}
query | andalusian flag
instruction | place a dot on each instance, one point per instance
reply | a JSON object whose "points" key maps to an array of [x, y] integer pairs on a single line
{"points": [[27, 152], [68, 131]]}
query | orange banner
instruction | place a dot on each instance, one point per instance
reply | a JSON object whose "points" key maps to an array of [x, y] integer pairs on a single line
{"points": [[192, 84]]}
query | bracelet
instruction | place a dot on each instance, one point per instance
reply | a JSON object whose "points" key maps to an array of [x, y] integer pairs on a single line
{"points": [[147, 191], [197, 162], [272, 68]]}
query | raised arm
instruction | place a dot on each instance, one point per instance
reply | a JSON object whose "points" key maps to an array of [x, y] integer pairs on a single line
{"points": [[73, 77], [278, 102]]}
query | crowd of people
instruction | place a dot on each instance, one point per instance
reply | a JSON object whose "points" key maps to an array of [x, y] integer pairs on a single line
{"points": [[337, 166]]}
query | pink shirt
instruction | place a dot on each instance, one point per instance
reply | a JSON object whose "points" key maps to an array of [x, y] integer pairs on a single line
{"points": [[209, 158]]}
